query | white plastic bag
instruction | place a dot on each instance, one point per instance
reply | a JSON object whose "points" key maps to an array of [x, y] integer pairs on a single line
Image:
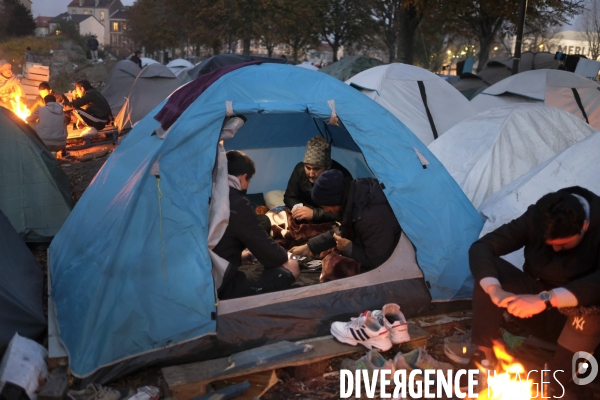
{"points": [[22, 364]]}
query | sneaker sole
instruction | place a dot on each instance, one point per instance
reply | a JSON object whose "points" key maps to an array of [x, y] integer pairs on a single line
{"points": [[369, 344], [398, 338]]}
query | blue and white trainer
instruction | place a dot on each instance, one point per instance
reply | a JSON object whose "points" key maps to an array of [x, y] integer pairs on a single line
{"points": [[365, 330]]}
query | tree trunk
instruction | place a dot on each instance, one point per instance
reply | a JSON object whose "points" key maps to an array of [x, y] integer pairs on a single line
{"points": [[409, 22], [334, 47], [486, 35], [246, 50]]}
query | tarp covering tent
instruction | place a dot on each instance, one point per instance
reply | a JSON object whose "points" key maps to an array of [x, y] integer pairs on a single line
{"points": [[118, 84], [21, 288], [424, 102], [153, 84], [347, 67], [307, 65], [560, 89], [575, 166], [148, 61], [488, 151], [223, 60], [153, 294], [34, 193]]}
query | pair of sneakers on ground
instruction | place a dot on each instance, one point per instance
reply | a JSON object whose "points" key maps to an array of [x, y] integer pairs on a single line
{"points": [[415, 359], [376, 330]]}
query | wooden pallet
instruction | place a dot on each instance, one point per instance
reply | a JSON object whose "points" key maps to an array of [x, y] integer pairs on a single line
{"points": [[187, 381], [33, 75]]}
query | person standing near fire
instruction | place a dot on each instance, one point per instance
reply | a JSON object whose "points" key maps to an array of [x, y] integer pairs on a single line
{"points": [[556, 297], [10, 85]]}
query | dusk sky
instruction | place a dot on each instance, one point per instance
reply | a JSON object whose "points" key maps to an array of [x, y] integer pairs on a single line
{"points": [[51, 8]]}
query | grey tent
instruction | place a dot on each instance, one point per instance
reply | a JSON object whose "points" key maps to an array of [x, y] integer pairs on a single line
{"points": [[153, 84], [540, 60], [34, 192], [470, 85], [223, 60], [118, 84], [347, 67], [21, 288]]}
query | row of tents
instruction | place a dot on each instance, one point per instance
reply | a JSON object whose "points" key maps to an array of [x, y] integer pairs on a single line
{"points": [[149, 210]]}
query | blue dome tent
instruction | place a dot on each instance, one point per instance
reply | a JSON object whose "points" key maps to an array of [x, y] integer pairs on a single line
{"points": [[132, 277]]}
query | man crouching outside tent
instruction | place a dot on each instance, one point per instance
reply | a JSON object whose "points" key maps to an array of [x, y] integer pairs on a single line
{"points": [[556, 296], [244, 231]]}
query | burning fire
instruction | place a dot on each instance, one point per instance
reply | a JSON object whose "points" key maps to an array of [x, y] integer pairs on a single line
{"points": [[510, 382], [20, 108]]}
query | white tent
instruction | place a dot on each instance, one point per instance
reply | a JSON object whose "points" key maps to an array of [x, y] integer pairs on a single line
{"points": [[148, 61], [560, 89], [490, 150], [307, 65], [178, 64], [424, 102], [575, 166]]}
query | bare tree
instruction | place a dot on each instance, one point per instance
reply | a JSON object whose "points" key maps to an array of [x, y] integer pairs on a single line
{"points": [[589, 22]]}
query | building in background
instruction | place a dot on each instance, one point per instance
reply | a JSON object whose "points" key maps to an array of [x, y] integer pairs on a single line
{"points": [[42, 26], [87, 24], [101, 10], [27, 3]]}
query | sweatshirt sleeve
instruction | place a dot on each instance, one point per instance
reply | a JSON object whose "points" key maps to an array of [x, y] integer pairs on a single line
{"points": [[247, 228], [82, 101], [504, 240], [34, 115], [322, 242], [586, 289]]}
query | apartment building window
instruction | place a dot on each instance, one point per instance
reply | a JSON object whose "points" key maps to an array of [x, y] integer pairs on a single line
{"points": [[115, 27], [101, 15], [124, 25], [86, 12]]}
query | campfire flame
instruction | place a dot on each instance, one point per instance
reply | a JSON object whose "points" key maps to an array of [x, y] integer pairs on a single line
{"points": [[20, 108], [510, 381]]}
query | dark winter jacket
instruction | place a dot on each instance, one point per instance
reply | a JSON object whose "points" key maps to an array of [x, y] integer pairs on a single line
{"points": [[136, 60], [92, 44], [244, 231], [577, 269], [368, 222], [93, 103], [299, 188]]}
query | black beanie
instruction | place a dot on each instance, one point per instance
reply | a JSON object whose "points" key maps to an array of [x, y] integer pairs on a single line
{"points": [[329, 188]]}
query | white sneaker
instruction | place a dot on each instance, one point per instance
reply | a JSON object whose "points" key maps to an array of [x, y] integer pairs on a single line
{"points": [[88, 131], [394, 321], [365, 330]]}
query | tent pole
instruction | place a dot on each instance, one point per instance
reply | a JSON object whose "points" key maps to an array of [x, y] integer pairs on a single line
{"points": [[518, 42]]}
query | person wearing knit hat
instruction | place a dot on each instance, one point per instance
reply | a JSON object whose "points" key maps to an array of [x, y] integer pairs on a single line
{"points": [[10, 85], [297, 196], [369, 230]]}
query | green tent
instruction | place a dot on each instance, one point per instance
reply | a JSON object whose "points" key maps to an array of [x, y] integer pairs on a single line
{"points": [[347, 67], [34, 192]]}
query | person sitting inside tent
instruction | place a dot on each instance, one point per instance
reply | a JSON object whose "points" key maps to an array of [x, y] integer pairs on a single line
{"points": [[369, 231], [91, 108], [556, 295], [10, 85], [245, 232], [49, 123], [317, 159]]}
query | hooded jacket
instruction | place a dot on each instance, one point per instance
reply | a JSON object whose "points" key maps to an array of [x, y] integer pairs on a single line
{"points": [[299, 188], [577, 269], [50, 124], [368, 222]]}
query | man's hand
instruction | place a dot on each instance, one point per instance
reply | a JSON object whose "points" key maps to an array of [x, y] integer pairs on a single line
{"points": [[248, 258], [499, 297], [300, 250], [340, 242], [305, 213], [526, 305]]}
